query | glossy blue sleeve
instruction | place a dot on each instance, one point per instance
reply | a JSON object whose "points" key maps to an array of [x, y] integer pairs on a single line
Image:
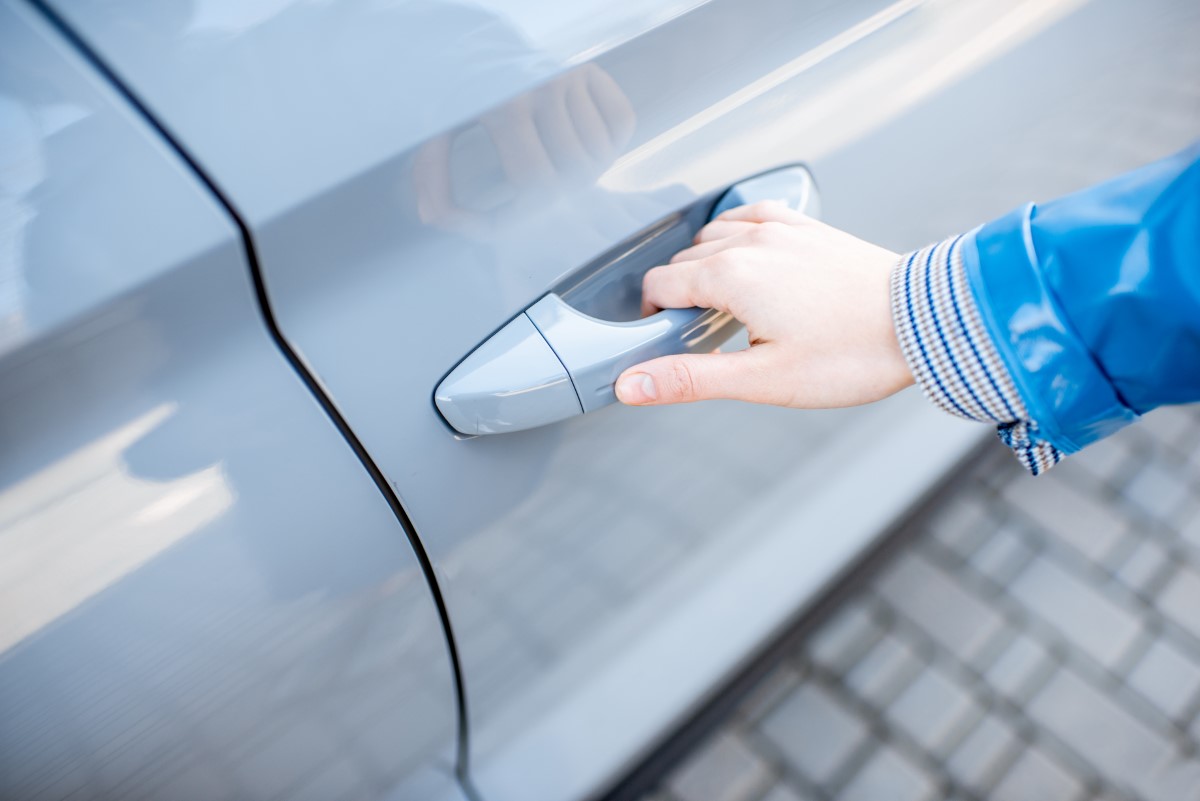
{"points": [[1067, 320]]}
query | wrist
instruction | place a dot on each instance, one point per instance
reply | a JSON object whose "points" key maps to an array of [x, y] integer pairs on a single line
{"points": [[895, 370]]}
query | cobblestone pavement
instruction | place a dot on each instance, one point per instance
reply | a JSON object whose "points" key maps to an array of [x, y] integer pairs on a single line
{"points": [[1030, 639]]}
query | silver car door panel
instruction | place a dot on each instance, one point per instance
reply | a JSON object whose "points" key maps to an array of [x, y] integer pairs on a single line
{"points": [[202, 594], [416, 174]]}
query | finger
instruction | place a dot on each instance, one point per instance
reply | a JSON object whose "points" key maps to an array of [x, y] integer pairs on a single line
{"points": [[765, 211], [684, 378], [706, 249], [702, 284], [720, 229], [648, 308]]}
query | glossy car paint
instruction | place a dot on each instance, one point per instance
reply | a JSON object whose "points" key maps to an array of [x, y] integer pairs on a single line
{"points": [[417, 173], [593, 354], [202, 594], [512, 382]]}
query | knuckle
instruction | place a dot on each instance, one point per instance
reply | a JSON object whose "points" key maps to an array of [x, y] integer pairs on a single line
{"points": [[681, 383], [651, 282], [718, 270], [761, 234], [728, 264], [716, 261], [772, 231]]}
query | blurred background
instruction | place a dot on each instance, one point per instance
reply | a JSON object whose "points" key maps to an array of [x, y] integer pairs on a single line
{"points": [[1016, 638]]}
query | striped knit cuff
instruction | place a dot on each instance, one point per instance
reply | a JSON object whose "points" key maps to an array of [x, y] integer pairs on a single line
{"points": [[951, 354]]}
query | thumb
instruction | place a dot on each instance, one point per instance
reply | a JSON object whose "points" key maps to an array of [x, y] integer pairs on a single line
{"points": [[694, 376]]}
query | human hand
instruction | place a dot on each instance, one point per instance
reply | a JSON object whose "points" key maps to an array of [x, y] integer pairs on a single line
{"points": [[815, 302]]}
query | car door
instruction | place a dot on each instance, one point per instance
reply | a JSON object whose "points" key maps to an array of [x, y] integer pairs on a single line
{"points": [[202, 593], [415, 175]]}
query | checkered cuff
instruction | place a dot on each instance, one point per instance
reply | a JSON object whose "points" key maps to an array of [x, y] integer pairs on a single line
{"points": [[951, 354]]}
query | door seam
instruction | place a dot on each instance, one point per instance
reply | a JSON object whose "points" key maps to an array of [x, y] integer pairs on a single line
{"points": [[323, 399]]}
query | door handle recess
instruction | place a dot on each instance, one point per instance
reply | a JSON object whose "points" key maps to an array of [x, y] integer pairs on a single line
{"points": [[552, 361]]}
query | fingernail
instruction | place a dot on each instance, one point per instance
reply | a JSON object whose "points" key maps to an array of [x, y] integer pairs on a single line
{"points": [[636, 388]]}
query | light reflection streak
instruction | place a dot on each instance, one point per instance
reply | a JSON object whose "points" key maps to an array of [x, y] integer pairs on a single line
{"points": [[953, 40], [82, 523]]}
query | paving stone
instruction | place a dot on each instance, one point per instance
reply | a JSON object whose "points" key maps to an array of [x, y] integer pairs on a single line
{"points": [[1073, 471], [1002, 556], [1180, 600], [1059, 733], [1084, 616], [1192, 468], [1035, 776], [1019, 668], [842, 640], [962, 524], [885, 669], [984, 755], [1173, 427], [887, 776], [948, 613], [1120, 747], [1105, 460], [1081, 520], [336, 782], [934, 711], [1144, 566], [1167, 677], [766, 695], [1190, 530], [660, 795], [724, 769], [815, 732], [1159, 491], [783, 792]]}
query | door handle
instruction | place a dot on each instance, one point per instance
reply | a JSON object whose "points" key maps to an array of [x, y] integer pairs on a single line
{"points": [[552, 361]]}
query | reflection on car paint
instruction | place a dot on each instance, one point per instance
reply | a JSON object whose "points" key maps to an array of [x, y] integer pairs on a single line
{"points": [[202, 594]]}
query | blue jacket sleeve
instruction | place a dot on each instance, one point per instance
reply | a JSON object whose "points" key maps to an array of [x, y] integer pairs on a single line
{"points": [[1067, 320]]}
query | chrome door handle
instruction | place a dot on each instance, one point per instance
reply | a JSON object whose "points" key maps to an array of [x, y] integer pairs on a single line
{"points": [[552, 361]]}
